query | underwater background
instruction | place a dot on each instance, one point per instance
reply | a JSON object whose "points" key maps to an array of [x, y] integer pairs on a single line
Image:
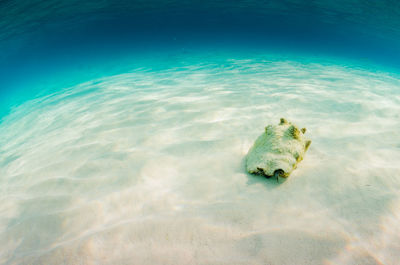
{"points": [[125, 125], [50, 44]]}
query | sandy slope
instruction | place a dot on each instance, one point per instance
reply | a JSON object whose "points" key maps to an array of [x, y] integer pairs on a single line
{"points": [[147, 168]]}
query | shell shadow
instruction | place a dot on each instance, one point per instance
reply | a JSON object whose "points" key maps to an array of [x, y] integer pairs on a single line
{"points": [[269, 183]]}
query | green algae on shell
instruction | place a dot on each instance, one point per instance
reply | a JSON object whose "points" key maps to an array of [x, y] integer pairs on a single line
{"points": [[278, 150]]}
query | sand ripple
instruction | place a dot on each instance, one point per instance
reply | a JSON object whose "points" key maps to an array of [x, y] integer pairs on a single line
{"points": [[147, 168]]}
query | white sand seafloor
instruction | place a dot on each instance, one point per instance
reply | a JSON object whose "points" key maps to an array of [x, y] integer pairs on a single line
{"points": [[148, 168]]}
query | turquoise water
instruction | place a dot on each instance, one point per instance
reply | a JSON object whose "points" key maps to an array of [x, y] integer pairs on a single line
{"points": [[125, 127], [44, 43]]}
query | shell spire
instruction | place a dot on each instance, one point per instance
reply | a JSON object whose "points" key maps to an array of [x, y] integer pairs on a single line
{"points": [[294, 132]]}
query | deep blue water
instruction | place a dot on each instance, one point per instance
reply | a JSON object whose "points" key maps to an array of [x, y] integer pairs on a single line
{"points": [[47, 45]]}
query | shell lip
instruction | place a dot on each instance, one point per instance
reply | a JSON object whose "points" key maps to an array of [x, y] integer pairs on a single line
{"points": [[277, 173]]}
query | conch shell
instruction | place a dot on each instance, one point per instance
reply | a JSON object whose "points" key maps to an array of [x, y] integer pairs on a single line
{"points": [[278, 150]]}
